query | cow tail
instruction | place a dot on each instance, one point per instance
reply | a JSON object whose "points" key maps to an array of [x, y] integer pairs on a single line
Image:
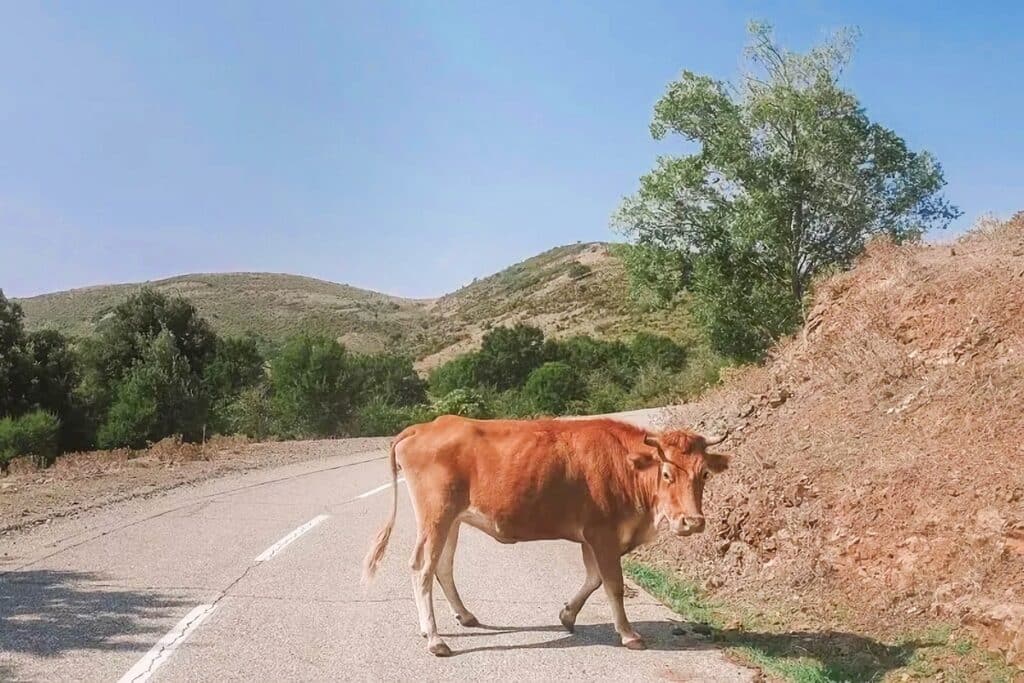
{"points": [[380, 543]]}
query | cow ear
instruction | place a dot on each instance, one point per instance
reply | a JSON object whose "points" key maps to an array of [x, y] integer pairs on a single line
{"points": [[641, 461], [716, 462]]}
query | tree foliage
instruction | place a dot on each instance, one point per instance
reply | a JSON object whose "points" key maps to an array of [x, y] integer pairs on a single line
{"points": [[508, 355], [34, 433], [789, 178], [552, 386], [314, 383], [160, 396]]}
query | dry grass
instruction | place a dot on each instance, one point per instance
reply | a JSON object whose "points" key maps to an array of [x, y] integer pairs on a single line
{"points": [[879, 470], [540, 291]]}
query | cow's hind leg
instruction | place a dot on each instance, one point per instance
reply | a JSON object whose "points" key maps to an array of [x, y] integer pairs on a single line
{"points": [[610, 566], [429, 546], [590, 584], [446, 577]]}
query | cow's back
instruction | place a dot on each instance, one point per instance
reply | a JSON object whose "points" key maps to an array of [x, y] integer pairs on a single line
{"points": [[530, 479]]}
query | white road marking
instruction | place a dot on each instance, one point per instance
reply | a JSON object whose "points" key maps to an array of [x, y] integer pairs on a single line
{"points": [[378, 489], [160, 652], [284, 542]]}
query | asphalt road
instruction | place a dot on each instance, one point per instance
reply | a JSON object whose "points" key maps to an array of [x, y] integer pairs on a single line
{"points": [[203, 584]]}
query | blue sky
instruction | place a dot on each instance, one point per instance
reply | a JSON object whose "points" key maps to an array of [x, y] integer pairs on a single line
{"points": [[409, 147]]}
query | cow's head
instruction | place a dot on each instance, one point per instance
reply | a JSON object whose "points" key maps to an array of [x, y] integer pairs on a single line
{"points": [[683, 467]]}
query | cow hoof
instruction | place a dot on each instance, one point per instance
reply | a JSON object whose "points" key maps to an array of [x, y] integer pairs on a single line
{"points": [[636, 644], [469, 621], [440, 650], [568, 620]]}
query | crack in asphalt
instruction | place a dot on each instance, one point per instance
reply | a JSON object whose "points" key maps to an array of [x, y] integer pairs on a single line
{"points": [[173, 642]]}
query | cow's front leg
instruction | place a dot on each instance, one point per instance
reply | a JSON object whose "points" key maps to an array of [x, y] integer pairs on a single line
{"points": [[610, 566], [446, 577], [590, 584]]}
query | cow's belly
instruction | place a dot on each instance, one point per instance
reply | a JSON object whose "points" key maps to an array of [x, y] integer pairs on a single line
{"points": [[515, 531]]}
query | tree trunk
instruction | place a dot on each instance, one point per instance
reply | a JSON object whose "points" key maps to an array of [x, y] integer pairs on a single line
{"points": [[795, 278]]}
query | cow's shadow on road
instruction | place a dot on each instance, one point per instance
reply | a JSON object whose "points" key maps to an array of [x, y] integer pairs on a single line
{"points": [[846, 656], [46, 612]]}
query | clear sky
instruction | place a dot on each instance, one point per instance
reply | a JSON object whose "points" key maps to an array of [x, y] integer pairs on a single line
{"points": [[409, 147]]}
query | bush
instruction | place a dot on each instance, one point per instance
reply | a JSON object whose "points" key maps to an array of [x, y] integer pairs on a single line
{"points": [[458, 373], [34, 434], [377, 418], [586, 354], [250, 413], [552, 386], [160, 397], [603, 394], [236, 365], [579, 270], [652, 349], [314, 383], [511, 403], [389, 379], [508, 355], [465, 402]]}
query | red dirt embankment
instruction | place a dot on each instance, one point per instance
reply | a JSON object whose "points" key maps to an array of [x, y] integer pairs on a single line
{"points": [[878, 477]]}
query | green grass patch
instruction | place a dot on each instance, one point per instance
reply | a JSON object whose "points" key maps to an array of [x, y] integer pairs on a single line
{"points": [[805, 656]]}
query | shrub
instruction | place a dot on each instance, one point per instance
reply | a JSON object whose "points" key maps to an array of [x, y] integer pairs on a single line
{"points": [[236, 365], [458, 373], [508, 355], [652, 349], [378, 418], [161, 396], [586, 354], [314, 382], [34, 434], [511, 403], [389, 379], [552, 386], [579, 270], [465, 402], [250, 413], [603, 394]]}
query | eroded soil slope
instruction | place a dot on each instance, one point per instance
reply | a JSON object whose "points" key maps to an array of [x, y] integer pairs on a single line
{"points": [[878, 477]]}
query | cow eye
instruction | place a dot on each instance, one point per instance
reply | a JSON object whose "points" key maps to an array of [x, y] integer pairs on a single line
{"points": [[665, 475], [707, 474]]}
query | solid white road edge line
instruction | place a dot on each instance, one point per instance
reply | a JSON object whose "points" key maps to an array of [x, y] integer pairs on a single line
{"points": [[378, 489], [159, 653], [284, 542]]}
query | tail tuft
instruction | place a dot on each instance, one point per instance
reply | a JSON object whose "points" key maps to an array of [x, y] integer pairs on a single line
{"points": [[380, 544]]}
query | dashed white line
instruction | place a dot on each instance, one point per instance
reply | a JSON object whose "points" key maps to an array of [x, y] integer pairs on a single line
{"points": [[378, 489], [159, 653], [287, 540]]}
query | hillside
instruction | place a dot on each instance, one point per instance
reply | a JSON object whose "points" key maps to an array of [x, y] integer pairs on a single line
{"points": [[578, 288], [878, 476]]}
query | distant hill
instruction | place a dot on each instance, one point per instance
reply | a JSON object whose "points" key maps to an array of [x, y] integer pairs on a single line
{"points": [[580, 288]]}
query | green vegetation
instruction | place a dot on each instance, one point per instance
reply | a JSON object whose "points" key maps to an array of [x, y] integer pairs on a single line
{"points": [[517, 373], [157, 368], [790, 179], [33, 433], [813, 656]]}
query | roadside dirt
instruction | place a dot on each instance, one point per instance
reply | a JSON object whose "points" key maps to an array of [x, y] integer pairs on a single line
{"points": [[82, 481], [878, 472]]}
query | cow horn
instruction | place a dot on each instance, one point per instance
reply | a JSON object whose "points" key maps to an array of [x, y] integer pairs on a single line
{"points": [[716, 439], [651, 440]]}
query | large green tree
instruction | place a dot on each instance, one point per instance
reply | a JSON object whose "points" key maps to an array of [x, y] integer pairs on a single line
{"points": [[788, 178]]}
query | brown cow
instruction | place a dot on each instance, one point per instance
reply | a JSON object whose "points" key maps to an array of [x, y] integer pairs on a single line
{"points": [[603, 484]]}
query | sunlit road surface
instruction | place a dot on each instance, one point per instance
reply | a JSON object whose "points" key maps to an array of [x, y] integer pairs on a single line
{"points": [[256, 577]]}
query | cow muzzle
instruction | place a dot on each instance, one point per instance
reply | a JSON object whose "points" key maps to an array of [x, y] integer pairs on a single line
{"points": [[685, 526]]}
